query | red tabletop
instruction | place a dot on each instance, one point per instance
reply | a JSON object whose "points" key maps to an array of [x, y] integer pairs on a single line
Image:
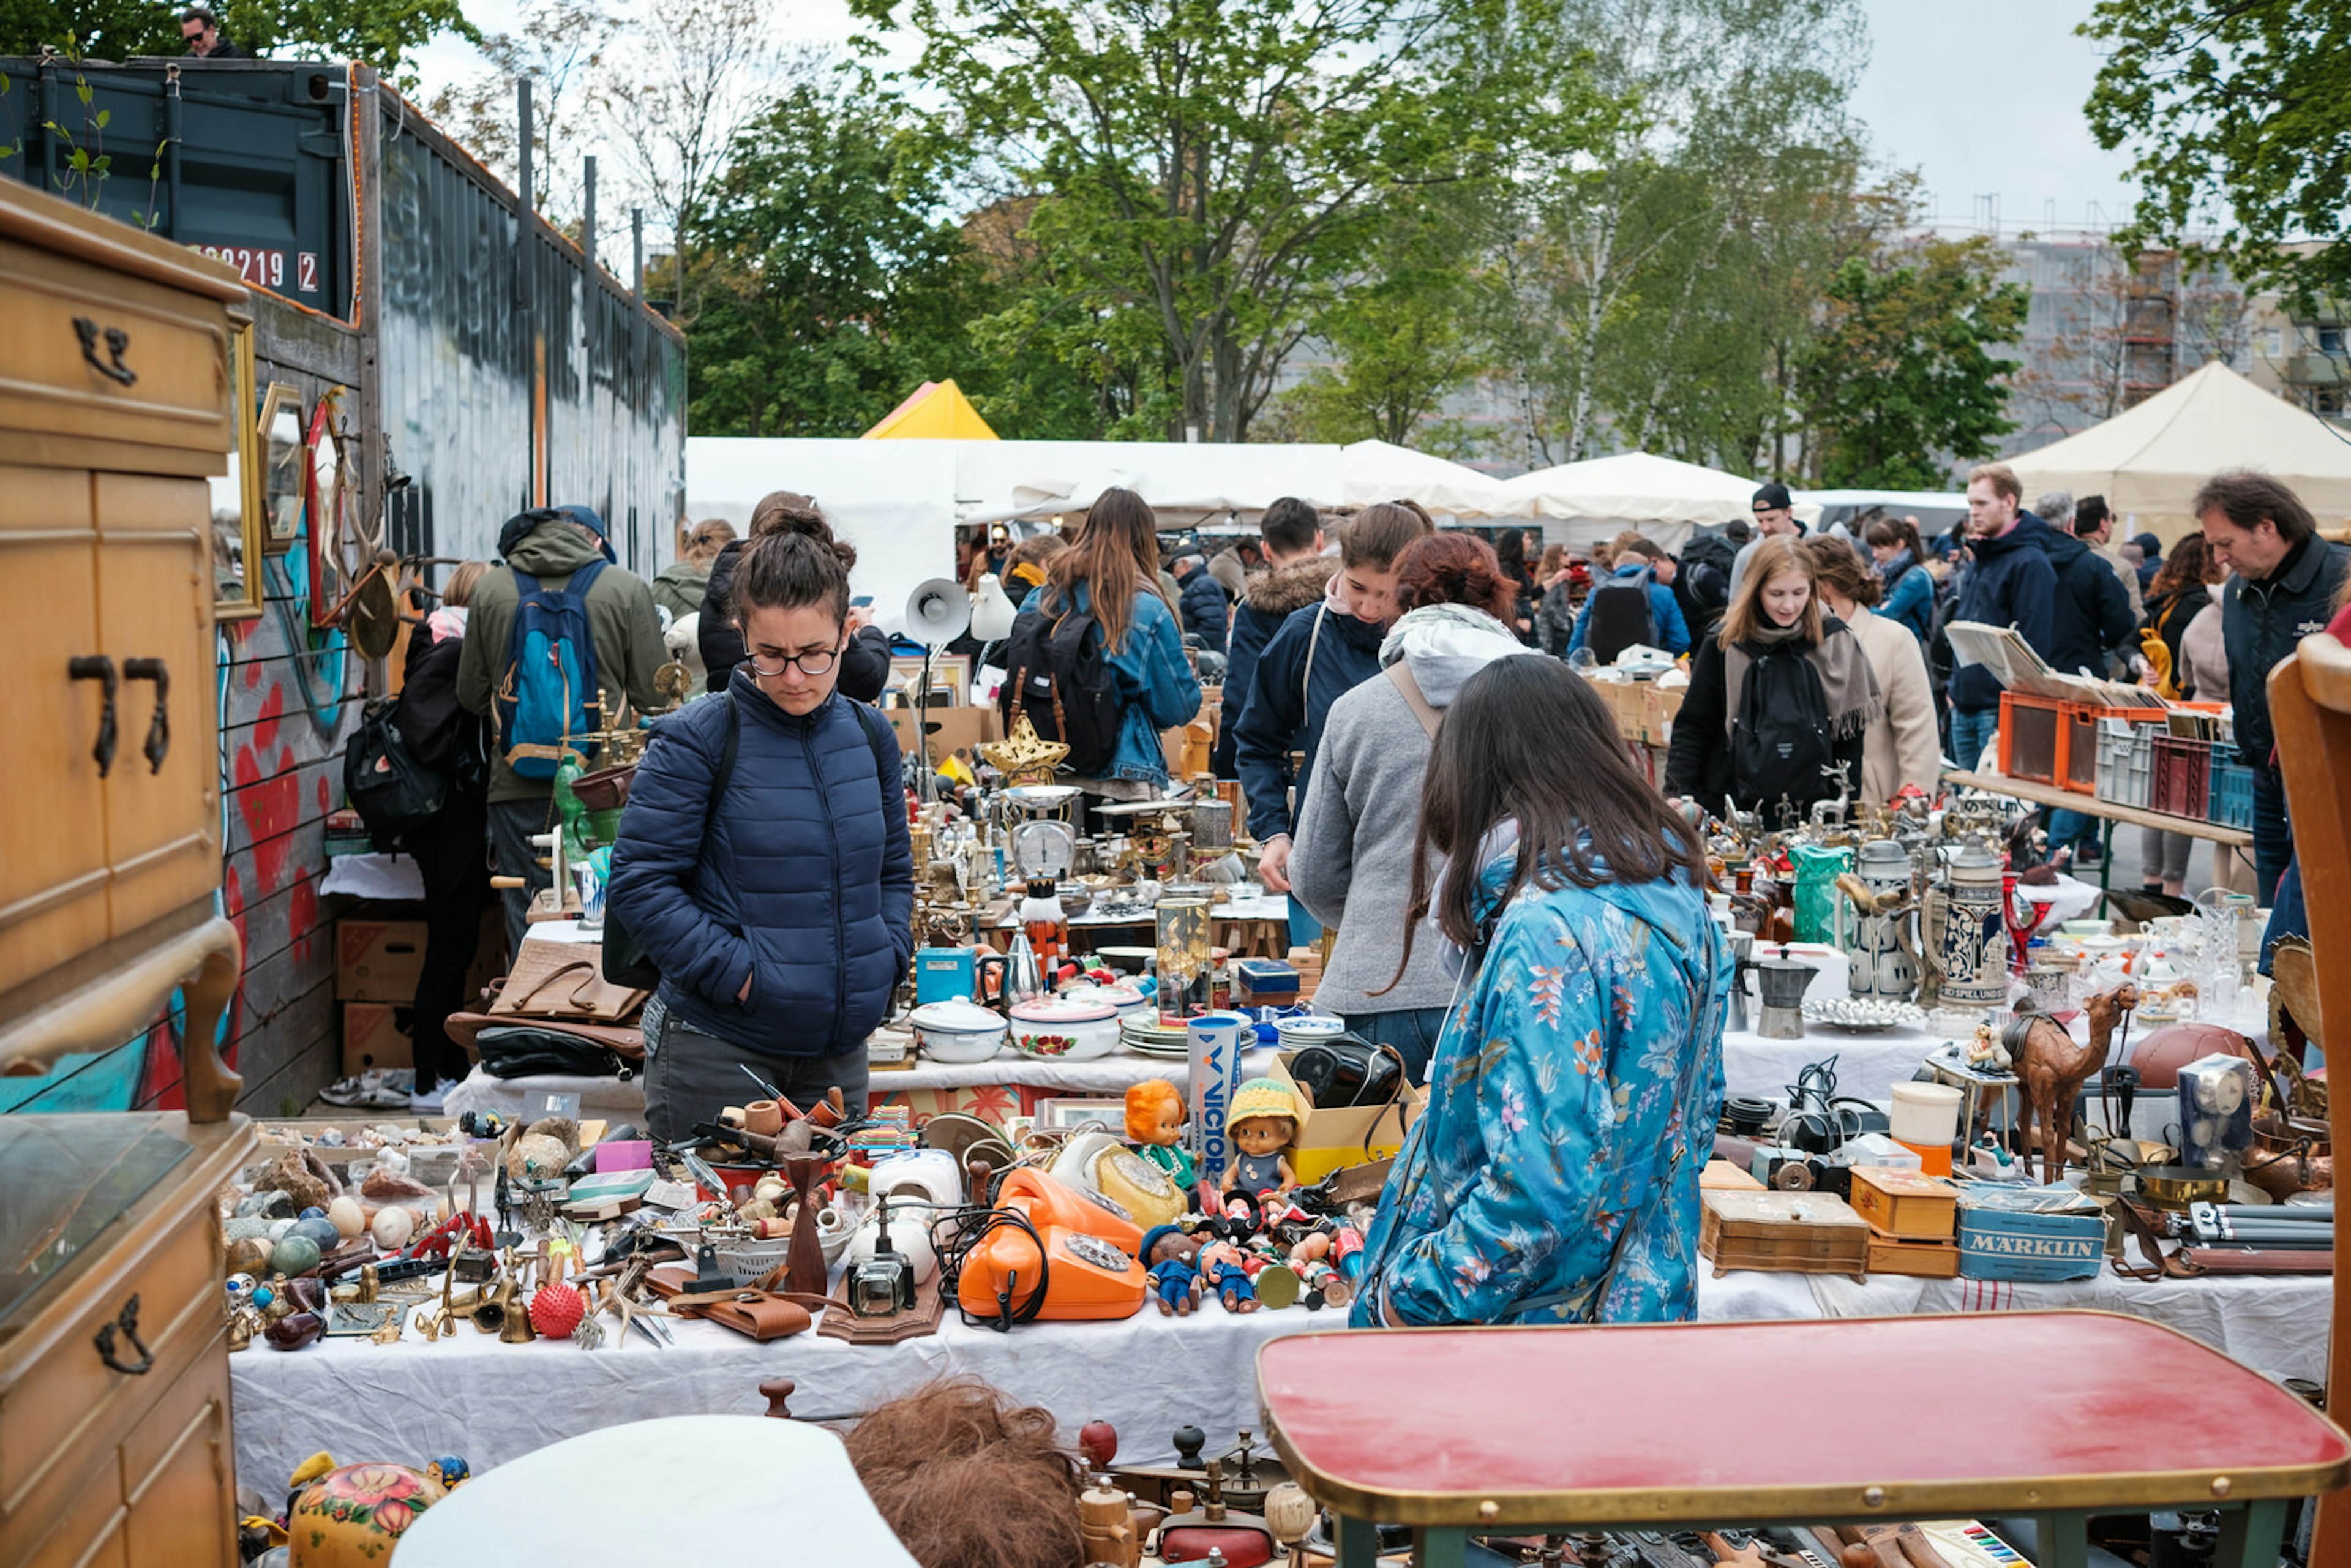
{"points": [[1897, 1417]]}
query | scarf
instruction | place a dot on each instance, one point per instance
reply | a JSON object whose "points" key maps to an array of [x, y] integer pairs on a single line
{"points": [[1431, 622], [1847, 682]]}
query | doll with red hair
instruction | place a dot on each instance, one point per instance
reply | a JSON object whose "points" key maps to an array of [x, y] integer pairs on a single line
{"points": [[1154, 1123]]}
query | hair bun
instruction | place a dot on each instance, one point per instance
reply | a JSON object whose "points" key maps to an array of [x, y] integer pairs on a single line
{"points": [[788, 512]]}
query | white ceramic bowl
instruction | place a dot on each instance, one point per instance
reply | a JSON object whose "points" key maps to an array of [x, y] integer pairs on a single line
{"points": [[957, 1032], [1053, 1030]]}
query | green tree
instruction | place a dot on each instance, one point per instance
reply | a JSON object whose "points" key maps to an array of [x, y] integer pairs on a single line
{"points": [[1218, 167], [383, 32], [2236, 115], [1901, 380], [90, 29]]}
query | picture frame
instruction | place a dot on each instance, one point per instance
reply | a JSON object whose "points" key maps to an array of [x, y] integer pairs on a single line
{"points": [[237, 544], [326, 484], [949, 673], [283, 462]]}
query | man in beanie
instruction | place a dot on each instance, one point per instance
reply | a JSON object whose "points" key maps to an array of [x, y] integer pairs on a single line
{"points": [[2150, 559], [1774, 514]]}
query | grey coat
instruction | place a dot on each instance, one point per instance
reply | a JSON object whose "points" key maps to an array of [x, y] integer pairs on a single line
{"points": [[1350, 858]]}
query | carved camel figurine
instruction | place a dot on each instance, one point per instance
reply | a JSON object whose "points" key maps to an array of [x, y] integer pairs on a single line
{"points": [[2051, 1070]]}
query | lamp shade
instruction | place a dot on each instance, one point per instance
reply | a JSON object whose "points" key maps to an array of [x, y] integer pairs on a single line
{"points": [[991, 612]]}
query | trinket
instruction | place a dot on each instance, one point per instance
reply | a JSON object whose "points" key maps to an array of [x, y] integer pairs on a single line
{"points": [[2051, 1069], [347, 1217], [294, 1331], [353, 1517], [296, 1254], [1263, 1122], [392, 1228]]}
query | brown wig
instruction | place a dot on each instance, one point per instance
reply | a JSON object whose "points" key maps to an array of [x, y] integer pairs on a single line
{"points": [[792, 560], [1903, 531], [1528, 739], [1455, 568], [1115, 556], [1836, 566], [965, 1478], [1774, 554], [2189, 565], [1381, 531]]}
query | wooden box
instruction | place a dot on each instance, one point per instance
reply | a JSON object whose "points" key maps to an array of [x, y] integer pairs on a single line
{"points": [[1924, 1260], [1905, 1204], [1782, 1232], [1721, 1175]]}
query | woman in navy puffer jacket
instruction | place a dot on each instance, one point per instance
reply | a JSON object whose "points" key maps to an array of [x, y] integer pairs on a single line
{"points": [[778, 914]]}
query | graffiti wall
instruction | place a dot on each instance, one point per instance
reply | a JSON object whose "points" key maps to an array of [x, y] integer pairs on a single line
{"points": [[286, 696]]}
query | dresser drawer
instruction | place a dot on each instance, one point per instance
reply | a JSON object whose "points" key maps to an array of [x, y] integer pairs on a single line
{"points": [[103, 364]]}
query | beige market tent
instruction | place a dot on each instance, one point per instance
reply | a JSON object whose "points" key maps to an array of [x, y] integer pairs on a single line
{"points": [[2147, 460], [1583, 503]]}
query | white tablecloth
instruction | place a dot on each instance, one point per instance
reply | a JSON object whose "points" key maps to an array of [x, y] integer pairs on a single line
{"points": [[1146, 1374]]}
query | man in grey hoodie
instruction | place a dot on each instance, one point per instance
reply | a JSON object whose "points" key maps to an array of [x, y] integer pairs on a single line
{"points": [[551, 545], [1353, 847]]}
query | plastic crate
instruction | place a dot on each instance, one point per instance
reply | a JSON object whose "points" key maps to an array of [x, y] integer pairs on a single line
{"points": [[2031, 733], [2230, 797], [2079, 726], [2125, 761], [2182, 776]]}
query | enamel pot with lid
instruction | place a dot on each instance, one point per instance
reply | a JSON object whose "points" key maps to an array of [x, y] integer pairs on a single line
{"points": [[1057, 1030], [957, 1030]]}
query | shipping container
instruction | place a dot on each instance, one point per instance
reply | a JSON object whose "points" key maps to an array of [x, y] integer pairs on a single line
{"points": [[497, 370]]}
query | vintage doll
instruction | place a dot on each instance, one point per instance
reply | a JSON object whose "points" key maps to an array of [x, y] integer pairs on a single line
{"points": [[1154, 1123], [1170, 1258], [1263, 1120], [1222, 1268]]}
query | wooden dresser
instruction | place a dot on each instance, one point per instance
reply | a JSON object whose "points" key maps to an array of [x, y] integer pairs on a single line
{"points": [[115, 405], [115, 1445]]}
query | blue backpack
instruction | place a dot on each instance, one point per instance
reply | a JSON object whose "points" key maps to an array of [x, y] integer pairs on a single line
{"points": [[551, 674]]}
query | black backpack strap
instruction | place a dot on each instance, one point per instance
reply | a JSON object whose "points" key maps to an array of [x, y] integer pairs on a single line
{"points": [[867, 720], [725, 774]]}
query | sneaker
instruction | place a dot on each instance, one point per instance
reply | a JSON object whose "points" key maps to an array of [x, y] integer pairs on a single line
{"points": [[2087, 856], [383, 1089], [429, 1103]]}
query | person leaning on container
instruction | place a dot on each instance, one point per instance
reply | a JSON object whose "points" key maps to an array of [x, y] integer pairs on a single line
{"points": [[763, 859]]}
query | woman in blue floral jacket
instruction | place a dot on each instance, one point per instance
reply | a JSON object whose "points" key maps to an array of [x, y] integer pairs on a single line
{"points": [[1553, 1176]]}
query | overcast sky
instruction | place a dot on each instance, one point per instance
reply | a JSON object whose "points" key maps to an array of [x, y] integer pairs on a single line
{"points": [[1977, 95], [1985, 96]]}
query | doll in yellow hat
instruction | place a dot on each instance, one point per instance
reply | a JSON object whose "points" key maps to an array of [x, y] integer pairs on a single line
{"points": [[1262, 1123]]}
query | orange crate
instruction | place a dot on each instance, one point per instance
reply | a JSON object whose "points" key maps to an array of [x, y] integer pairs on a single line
{"points": [[2077, 741], [2031, 738]]}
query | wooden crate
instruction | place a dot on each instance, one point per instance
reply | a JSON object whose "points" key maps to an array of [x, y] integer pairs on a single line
{"points": [[1905, 1204], [1721, 1175], [1782, 1232], [1923, 1260]]}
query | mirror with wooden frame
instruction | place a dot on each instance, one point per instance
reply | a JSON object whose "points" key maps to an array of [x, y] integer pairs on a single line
{"points": [[236, 498], [285, 466]]}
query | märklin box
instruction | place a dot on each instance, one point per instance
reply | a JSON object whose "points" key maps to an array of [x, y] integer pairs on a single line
{"points": [[2034, 1233]]}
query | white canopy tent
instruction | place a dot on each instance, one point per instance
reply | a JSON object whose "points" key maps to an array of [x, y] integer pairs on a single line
{"points": [[900, 502], [2149, 461], [1581, 504]]}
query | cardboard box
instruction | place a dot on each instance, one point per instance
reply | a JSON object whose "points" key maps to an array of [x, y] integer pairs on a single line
{"points": [[2037, 1233], [1905, 1204], [952, 729], [1920, 1260], [377, 1035], [1332, 1140], [378, 960]]}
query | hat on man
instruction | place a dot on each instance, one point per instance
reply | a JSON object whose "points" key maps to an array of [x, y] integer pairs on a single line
{"points": [[1771, 497]]}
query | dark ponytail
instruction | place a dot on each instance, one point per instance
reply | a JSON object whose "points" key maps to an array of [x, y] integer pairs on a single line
{"points": [[792, 561]]}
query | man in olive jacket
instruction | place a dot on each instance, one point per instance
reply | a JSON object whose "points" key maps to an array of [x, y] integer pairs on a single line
{"points": [[550, 544]]}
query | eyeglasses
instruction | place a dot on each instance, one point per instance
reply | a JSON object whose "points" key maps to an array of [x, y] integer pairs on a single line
{"points": [[814, 663]]}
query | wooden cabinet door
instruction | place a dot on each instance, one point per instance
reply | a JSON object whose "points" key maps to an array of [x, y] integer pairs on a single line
{"points": [[176, 1470], [155, 603], [53, 859]]}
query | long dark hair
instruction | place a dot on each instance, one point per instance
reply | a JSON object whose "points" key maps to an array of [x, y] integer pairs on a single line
{"points": [[1529, 738], [1115, 554], [2189, 565]]}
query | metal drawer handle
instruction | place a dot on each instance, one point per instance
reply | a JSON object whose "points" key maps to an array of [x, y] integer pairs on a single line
{"points": [[159, 728], [128, 1321], [118, 342], [99, 667]]}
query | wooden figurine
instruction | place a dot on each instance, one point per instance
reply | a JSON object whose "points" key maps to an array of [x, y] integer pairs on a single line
{"points": [[2051, 1070]]}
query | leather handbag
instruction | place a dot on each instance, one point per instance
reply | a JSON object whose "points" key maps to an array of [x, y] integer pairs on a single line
{"points": [[564, 980], [1347, 1071]]}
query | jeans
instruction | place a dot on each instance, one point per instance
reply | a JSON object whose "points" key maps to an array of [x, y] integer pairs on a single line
{"points": [[2071, 828], [2272, 834], [691, 1076], [1971, 731], [448, 850], [512, 823], [1412, 1031]]}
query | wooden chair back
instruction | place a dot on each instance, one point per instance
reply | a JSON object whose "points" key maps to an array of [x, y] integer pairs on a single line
{"points": [[2310, 706]]}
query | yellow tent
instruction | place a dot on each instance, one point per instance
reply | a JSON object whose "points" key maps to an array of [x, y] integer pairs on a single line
{"points": [[937, 412]]}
